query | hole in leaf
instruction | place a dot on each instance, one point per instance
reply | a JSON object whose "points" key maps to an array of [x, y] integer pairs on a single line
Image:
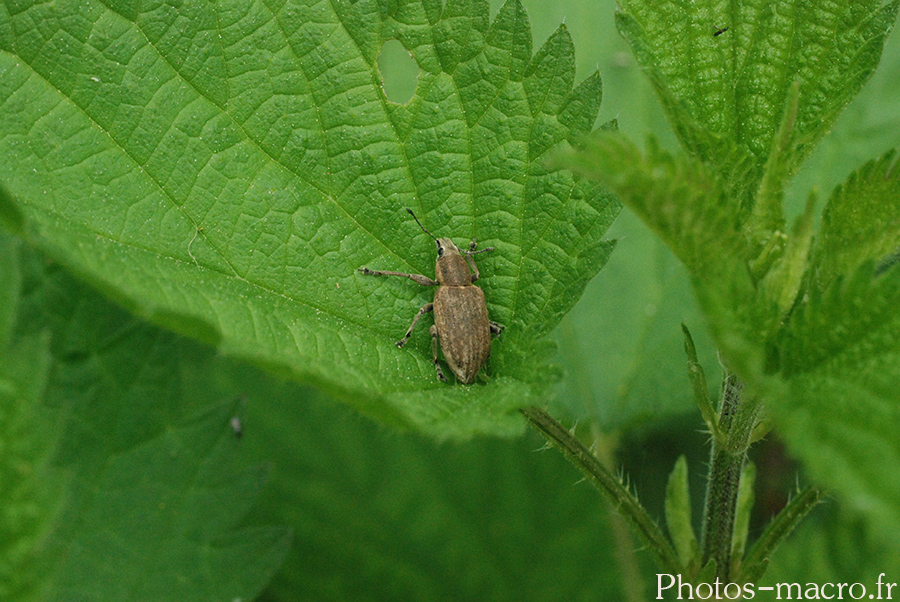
{"points": [[399, 72]]}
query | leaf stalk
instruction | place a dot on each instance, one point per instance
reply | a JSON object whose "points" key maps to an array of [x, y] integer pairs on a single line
{"points": [[611, 487]]}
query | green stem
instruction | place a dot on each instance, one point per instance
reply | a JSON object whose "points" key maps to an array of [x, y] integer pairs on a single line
{"points": [[727, 457], [781, 526], [632, 582], [617, 494]]}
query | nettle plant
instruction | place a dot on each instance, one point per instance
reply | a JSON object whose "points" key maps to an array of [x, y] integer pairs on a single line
{"points": [[806, 324], [224, 170]]}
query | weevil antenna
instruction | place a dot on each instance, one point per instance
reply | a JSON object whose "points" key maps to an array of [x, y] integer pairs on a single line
{"points": [[424, 229]]}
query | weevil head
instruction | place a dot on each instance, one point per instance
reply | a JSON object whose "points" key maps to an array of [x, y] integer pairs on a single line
{"points": [[451, 268]]}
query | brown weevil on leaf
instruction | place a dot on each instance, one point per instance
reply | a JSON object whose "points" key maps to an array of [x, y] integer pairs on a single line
{"points": [[461, 320]]}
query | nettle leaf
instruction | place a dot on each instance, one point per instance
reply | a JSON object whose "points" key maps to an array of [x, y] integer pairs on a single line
{"points": [[683, 201], [123, 486], [379, 515], [836, 398], [224, 169], [861, 222], [735, 83], [839, 355]]}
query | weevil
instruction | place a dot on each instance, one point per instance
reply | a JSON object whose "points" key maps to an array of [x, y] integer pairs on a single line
{"points": [[461, 322]]}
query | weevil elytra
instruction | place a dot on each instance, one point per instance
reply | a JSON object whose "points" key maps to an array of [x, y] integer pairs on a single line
{"points": [[461, 322]]}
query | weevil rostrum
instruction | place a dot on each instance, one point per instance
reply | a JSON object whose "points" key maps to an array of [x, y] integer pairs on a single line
{"points": [[461, 322]]}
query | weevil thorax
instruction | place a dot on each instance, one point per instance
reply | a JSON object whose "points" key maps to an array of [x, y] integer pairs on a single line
{"points": [[451, 268]]}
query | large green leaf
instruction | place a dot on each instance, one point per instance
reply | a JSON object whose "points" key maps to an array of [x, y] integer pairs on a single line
{"points": [[117, 484], [384, 516], [225, 170]]}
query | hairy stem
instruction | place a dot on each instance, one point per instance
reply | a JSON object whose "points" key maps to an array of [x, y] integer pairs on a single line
{"points": [[617, 494], [757, 558], [632, 581], [737, 417]]}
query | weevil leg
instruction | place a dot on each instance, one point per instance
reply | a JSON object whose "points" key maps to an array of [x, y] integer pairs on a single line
{"points": [[424, 310], [434, 346], [468, 255], [471, 262], [417, 278], [496, 329]]}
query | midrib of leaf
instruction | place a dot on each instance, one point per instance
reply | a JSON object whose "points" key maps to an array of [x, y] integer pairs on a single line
{"points": [[780, 89]]}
